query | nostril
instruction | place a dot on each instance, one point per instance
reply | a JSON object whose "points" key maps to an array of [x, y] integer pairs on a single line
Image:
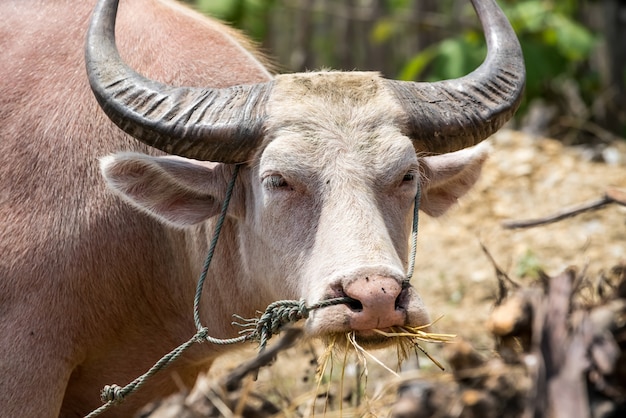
{"points": [[355, 305], [402, 299], [352, 303], [398, 304]]}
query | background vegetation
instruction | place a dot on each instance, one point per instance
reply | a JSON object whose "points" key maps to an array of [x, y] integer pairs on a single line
{"points": [[575, 50]]}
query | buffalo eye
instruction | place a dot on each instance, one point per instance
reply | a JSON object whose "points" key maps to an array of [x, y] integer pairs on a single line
{"points": [[408, 177], [275, 181]]}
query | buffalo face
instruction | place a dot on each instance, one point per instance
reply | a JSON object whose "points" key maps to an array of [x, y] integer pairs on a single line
{"points": [[325, 208], [331, 166]]}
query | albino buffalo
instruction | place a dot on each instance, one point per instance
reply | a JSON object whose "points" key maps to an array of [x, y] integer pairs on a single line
{"points": [[94, 291]]}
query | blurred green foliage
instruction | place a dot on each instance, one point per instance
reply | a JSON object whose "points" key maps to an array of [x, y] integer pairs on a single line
{"points": [[555, 46], [529, 265], [558, 49], [554, 43], [248, 15]]}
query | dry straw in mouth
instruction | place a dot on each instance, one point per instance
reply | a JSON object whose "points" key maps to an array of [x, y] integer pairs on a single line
{"points": [[408, 337]]}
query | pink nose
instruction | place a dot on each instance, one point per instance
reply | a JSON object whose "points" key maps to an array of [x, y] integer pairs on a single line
{"points": [[379, 302]]}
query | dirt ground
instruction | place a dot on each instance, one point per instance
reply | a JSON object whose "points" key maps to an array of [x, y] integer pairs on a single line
{"points": [[525, 177]]}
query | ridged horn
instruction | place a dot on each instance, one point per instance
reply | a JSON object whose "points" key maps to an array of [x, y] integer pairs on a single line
{"points": [[222, 125], [450, 115]]}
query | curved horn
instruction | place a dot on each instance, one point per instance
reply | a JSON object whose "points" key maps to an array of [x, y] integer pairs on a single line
{"points": [[223, 125], [450, 115]]}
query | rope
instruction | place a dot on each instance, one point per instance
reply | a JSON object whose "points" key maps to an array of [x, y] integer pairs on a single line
{"points": [[114, 394], [209, 258], [260, 329], [414, 230], [277, 315]]}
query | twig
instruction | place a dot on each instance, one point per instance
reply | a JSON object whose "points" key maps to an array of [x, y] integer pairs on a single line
{"points": [[502, 277], [289, 338], [611, 196]]}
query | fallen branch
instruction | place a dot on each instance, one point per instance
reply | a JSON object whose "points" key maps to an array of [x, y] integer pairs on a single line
{"points": [[226, 397], [289, 337], [611, 196], [560, 357]]}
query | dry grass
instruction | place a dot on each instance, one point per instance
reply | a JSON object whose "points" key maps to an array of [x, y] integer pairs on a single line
{"points": [[339, 352]]}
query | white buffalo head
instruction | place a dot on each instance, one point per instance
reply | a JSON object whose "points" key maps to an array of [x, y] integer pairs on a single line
{"points": [[331, 163]]}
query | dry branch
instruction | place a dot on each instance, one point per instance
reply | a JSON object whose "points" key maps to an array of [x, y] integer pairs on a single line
{"points": [[558, 358], [611, 196], [289, 338], [229, 396]]}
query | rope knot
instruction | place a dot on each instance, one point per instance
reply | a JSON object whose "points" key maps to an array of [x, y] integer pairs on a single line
{"points": [[112, 393], [201, 335], [270, 322]]}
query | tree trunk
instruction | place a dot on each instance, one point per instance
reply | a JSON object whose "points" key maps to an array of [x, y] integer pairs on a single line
{"points": [[615, 32]]}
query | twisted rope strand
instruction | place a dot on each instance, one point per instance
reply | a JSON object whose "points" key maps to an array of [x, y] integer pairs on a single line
{"points": [[275, 316], [414, 230], [209, 258], [114, 394]]}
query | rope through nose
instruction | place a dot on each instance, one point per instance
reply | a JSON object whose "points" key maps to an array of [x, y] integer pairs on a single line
{"points": [[414, 230]]}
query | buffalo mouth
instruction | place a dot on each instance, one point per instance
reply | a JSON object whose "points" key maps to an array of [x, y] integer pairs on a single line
{"points": [[335, 327]]}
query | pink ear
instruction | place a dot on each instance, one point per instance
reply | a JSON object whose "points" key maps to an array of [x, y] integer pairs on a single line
{"points": [[447, 177], [178, 191]]}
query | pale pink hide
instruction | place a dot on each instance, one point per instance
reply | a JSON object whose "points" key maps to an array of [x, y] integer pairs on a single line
{"points": [[93, 291]]}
